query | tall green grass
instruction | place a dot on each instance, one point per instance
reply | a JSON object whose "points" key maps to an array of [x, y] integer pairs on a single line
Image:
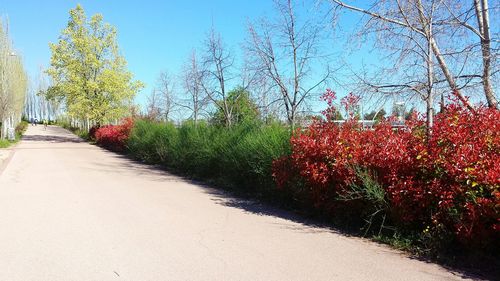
{"points": [[239, 158]]}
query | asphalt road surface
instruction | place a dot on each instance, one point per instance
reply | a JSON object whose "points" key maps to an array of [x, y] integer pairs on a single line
{"points": [[72, 211]]}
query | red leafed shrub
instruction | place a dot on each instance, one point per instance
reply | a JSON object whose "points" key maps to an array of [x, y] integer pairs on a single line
{"points": [[462, 157], [448, 179], [114, 137]]}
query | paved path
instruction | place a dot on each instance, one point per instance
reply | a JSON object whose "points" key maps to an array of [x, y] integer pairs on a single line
{"points": [[72, 211]]}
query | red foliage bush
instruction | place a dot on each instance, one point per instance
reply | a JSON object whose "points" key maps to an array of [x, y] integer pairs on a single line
{"points": [[462, 157], [114, 137], [448, 179]]}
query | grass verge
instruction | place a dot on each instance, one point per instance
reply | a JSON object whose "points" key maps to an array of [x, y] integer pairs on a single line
{"points": [[20, 130]]}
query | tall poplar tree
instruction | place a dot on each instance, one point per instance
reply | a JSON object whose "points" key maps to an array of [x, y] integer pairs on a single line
{"points": [[89, 74], [13, 83]]}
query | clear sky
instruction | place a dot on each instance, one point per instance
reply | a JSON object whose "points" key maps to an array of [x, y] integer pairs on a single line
{"points": [[153, 35]]}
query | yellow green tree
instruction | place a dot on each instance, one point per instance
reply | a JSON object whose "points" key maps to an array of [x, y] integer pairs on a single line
{"points": [[88, 72]]}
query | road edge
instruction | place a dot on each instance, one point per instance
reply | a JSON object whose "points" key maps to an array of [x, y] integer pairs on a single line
{"points": [[5, 162]]}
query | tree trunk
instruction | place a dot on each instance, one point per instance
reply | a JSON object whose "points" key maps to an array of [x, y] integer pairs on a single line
{"points": [[449, 77], [2, 127], [442, 105], [291, 120], [430, 94], [195, 116], [482, 15], [427, 27]]}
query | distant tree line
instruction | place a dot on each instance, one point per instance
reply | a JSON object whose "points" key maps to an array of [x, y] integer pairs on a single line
{"points": [[274, 80], [431, 49]]}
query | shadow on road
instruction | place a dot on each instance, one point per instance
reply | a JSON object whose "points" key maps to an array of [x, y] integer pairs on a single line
{"points": [[125, 165], [252, 206], [52, 138], [315, 226], [301, 224]]}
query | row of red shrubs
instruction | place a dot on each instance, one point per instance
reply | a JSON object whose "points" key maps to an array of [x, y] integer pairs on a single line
{"points": [[443, 181]]}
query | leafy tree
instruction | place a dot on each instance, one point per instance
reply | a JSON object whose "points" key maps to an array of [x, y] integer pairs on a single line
{"points": [[88, 72], [244, 108]]}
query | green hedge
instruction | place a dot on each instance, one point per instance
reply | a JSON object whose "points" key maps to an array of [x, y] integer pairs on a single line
{"points": [[239, 158]]}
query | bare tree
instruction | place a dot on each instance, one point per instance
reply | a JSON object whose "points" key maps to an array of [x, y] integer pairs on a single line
{"points": [[284, 50], [218, 64], [266, 97], [192, 82], [461, 16], [161, 100], [429, 23], [165, 87], [153, 110], [414, 54]]}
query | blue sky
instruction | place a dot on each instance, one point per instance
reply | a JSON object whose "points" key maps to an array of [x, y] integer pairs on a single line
{"points": [[153, 35]]}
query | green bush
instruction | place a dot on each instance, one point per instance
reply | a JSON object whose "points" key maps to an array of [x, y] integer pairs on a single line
{"points": [[239, 157], [147, 141]]}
